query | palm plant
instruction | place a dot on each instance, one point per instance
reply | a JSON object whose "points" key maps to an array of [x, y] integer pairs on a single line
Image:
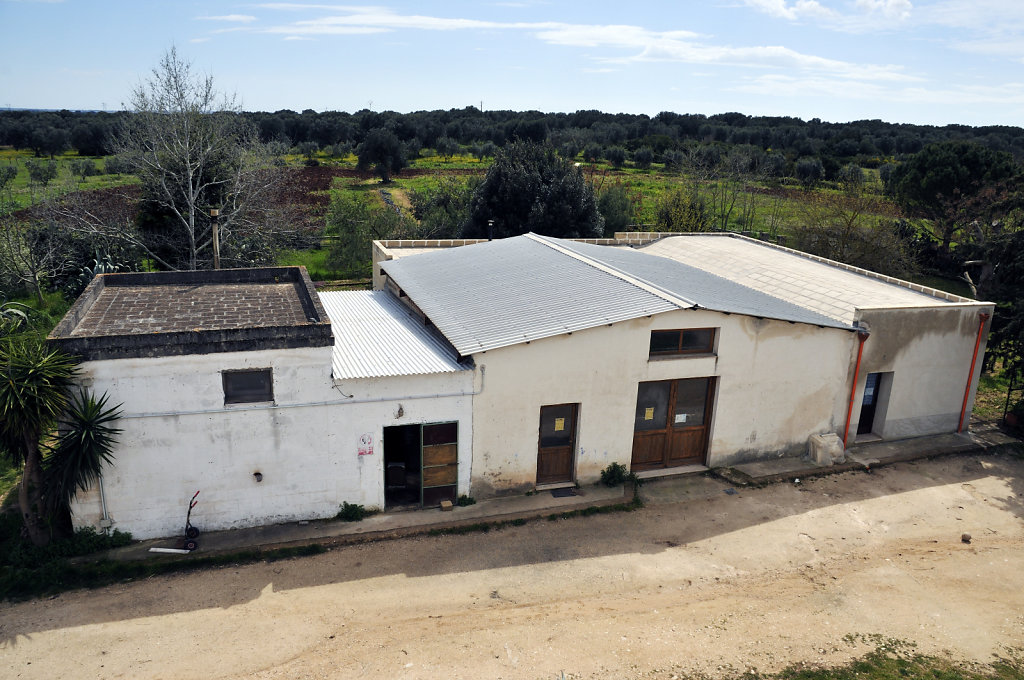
{"points": [[35, 381], [85, 444]]}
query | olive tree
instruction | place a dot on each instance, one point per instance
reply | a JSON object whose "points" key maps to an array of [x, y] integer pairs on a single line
{"points": [[192, 151]]}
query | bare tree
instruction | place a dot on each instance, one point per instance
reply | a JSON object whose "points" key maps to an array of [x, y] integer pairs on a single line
{"points": [[192, 152], [31, 254]]}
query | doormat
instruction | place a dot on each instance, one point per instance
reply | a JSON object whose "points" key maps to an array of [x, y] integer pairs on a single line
{"points": [[563, 493]]}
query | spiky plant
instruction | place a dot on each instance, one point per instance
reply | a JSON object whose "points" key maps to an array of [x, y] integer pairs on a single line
{"points": [[35, 381], [85, 444]]}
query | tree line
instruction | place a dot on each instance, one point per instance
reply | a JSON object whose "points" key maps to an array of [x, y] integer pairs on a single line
{"points": [[595, 134]]}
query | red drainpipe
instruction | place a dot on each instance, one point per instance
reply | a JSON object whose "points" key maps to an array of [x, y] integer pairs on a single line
{"points": [[861, 337], [970, 376]]}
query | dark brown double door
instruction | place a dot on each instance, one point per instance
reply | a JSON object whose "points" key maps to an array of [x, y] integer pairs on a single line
{"points": [[671, 426], [557, 443]]}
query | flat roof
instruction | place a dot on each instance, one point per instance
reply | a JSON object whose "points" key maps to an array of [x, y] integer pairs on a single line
{"points": [[830, 288], [375, 335], [197, 312]]}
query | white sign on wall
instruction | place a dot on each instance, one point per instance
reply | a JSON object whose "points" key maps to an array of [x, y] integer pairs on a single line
{"points": [[366, 445]]}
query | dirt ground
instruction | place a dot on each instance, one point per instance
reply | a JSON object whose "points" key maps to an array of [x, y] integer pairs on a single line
{"points": [[718, 584]]}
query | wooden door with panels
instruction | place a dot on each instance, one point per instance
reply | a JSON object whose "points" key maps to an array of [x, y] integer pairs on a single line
{"points": [[439, 451], [672, 423], [557, 443]]}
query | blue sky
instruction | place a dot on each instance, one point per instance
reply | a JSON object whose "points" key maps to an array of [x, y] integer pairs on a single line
{"points": [[911, 61]]}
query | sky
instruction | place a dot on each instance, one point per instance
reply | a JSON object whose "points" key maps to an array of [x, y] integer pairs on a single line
{"points": [[903, 61]]}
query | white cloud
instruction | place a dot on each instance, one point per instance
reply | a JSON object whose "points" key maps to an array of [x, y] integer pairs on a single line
{"points": [[199, 40], [778, 85], [865, 15], [646, 45], [298, 37], [234, 18]]}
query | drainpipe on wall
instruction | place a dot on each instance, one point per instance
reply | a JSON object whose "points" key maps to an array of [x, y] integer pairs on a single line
{"points": [[861, 337], [105, 521], [982, 318]]}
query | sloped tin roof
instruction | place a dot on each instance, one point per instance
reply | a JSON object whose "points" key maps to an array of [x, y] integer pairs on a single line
{"points": [[515, 290], [375, 335]]}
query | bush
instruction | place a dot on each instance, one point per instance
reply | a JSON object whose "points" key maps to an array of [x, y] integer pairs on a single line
{"points": [[465, 500], [615, 474], [616, 155], [352, 512]]}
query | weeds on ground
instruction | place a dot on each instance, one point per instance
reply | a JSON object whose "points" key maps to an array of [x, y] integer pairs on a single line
{"points": [[891, 658], [27, 569], [465, 500], [353, 512]]}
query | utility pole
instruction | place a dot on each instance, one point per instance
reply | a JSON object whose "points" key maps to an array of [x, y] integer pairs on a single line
{"points": [[215, 215]]}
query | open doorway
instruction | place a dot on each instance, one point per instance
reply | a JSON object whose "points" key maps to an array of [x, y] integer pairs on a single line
{"points": [[402, 471], [876, 400], [420, 464]]}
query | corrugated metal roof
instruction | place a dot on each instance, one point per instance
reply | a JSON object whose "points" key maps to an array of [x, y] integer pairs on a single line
{"points": [[514, 290], [375, 335], [694, 283]]}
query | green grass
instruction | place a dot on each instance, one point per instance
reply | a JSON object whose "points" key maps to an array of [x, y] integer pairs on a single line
{"points": [[42, 318], [315, 261], [24, 194], [991, 398], [954, 286]]}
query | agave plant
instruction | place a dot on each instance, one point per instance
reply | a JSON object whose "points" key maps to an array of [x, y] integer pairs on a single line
{"points": [[13, 317]]}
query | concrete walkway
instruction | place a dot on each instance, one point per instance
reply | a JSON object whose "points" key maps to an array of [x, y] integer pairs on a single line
{"points": [[668, 489], [867, 455], [380, 526]]}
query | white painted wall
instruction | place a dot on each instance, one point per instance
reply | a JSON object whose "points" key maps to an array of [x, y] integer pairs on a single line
{"points": [[928, 351], [778, 383], [179, 437]]}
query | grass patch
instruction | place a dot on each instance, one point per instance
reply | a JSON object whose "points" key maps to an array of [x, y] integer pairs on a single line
{"points": [[27, 570], [315, 262], [954, 286], [991, 398], [896, 659]]}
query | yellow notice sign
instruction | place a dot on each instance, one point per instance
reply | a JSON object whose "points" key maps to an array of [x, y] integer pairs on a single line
{"points": [[649, 413], [559, 424]]}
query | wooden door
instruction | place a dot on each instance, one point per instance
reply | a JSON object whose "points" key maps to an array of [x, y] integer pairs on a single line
{"points": [[671, 424], [557, 443], [440, 465]]}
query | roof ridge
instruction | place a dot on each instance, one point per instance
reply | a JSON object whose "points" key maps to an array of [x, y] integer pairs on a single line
{"points": [[678, 300]]}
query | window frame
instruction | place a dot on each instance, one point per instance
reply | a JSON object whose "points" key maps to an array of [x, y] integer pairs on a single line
{"points": [[252, 397], [705, 349]]}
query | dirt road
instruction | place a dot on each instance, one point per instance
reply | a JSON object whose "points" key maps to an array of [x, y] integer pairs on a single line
{"points": [[718, 584]]}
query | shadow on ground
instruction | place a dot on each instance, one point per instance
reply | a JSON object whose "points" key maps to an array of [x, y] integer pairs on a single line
{"points": [[698, 508]]}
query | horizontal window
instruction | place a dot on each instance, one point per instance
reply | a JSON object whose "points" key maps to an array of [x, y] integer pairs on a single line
{"points": [[248, 386], [682, 341]]}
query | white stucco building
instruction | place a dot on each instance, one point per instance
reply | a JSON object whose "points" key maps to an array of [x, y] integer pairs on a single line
{"points": [[233, 385], [489, 368], [668, 352]]}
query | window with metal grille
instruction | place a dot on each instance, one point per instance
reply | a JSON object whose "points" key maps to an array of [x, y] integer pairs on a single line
{"points": [[248, 386]]}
